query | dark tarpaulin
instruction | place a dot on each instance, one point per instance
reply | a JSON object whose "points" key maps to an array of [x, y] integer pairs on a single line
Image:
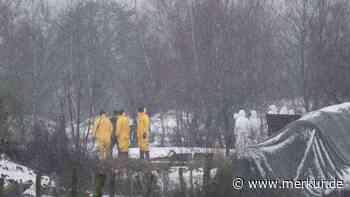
{"points": [[315, 147], [334, 124], [276, 122]]}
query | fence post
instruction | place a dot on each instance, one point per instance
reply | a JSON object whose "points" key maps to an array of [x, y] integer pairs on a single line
{"points": [[1, 186]]}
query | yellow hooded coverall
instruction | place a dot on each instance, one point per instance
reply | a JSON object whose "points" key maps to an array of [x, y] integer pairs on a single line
{"points": [[143, 125], [123, 133], [102, 131]]}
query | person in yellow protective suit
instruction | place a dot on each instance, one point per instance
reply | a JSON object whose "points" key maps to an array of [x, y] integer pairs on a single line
{"points": [[143, 126], [102, 131], [123, 134]]}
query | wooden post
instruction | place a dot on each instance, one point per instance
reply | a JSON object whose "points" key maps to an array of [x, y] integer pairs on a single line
{"points": [[74, 184], [100, 181], [206, 173], [182, 181], [38, 184], [191, 181], [1, 186], [112, 184]]}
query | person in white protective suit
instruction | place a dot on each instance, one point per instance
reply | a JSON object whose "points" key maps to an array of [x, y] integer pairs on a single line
{"points": [[242, 133], [255, 124]]}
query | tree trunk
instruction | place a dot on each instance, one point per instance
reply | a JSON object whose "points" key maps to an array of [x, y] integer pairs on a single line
{"points": [[302, 58], [74, 192], [228, 131], [191, 182], [193, 36], [112, 185], [162, 139], [182, 182], [206, 175], [38, 184], [165, 181]]}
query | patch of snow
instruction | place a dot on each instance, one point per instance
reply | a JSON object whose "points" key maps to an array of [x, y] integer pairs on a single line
{"points": [[272, 109], [279, 146], [337, 108], [294, 106], [21, 174], [166, 124], [284, 110], [157, 152], [310, 115], [291, 112], [197, 176]]}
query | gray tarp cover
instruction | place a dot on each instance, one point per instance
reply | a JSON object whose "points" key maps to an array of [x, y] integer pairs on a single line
{"points": [[317, 146]]}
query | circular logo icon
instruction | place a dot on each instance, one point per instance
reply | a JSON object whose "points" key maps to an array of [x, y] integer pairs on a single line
{"points": [[237, 183]]}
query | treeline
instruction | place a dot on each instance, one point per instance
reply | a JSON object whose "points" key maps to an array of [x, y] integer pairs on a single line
{"points": [[204, 59], [208, 58]]}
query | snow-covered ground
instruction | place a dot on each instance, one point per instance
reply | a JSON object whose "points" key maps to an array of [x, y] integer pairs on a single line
{"points": [[197, 175], [163, 124], [156, 152], [12, 171]]}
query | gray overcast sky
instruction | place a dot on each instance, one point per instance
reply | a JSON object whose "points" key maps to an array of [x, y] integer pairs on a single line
{"points": [[63, 3]]}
